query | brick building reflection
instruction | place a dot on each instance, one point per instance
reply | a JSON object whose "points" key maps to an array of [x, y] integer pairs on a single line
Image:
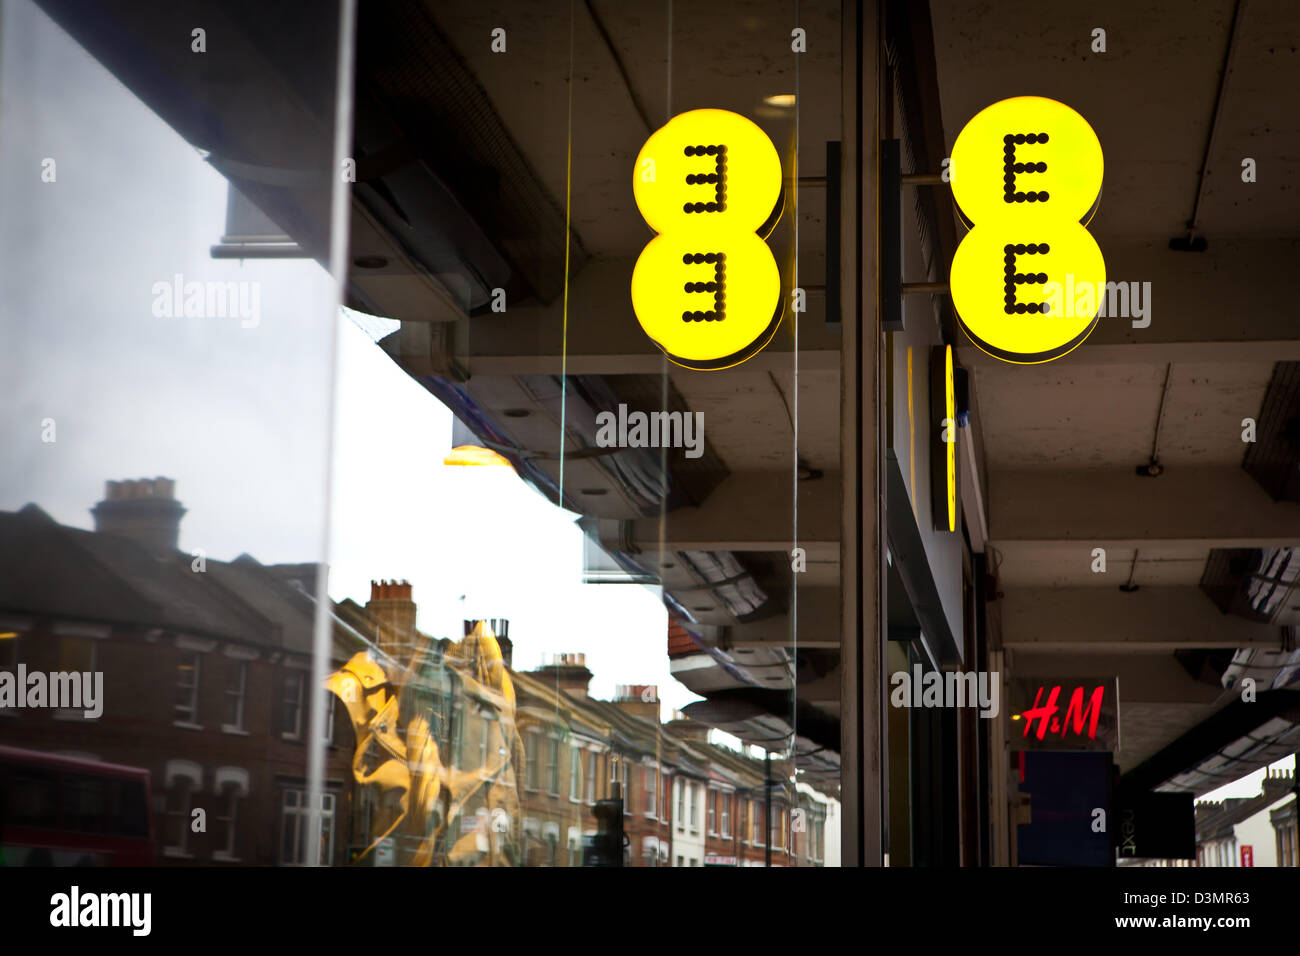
{"points": [[463, 760]]}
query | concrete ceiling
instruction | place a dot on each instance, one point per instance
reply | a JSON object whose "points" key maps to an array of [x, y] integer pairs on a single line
{"points": [[1105, 415], [734, 68], [1150, 97], [1063, 440]]}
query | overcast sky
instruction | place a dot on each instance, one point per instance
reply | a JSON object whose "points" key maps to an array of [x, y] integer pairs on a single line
{"points": [[473, 541]]}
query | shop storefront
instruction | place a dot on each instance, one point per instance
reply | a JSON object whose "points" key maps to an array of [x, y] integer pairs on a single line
{"points": [[612, 435]]}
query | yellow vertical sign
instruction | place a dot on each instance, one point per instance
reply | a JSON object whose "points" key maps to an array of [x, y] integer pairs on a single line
{"points": [[943, 443], [950, 437]]}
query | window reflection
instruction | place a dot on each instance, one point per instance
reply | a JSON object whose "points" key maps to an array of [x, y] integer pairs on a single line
{"points": [[206, 356]]}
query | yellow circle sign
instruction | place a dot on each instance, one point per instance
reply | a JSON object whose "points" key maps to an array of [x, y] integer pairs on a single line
{"points": [[707, 289], [1028, 279]]}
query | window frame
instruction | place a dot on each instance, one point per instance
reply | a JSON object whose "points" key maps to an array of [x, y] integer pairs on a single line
{"points": [[575, 773], [299, 679], [186, 787], [240, 724], [532, 760], [331, 702], [228, 799], [10, 645], [650, 781], [553, 764], [299, 815], [68, 713], [188, 716]]}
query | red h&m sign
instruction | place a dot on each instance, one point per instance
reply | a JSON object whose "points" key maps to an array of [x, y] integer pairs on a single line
{"points": [[1065, 713], [1247, 855]]}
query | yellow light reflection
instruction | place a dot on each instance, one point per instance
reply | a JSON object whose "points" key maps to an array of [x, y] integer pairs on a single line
{"points": [[477, 455]]}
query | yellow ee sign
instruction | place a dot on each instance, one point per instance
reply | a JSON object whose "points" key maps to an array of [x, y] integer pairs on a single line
{"points": [[707, 289], [1028, 277]]}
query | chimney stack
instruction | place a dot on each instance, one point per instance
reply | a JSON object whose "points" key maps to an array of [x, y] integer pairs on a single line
{"points": [[144, 510], [391, 607], [639, 700], [567, 671], [500, 628], [683, 728]]}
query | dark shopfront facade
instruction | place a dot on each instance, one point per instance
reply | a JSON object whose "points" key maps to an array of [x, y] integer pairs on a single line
{"points": [[852, 504]]}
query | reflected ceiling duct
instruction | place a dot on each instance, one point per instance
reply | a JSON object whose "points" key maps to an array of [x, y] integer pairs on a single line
{"points": [[728, 580], [1255, 583], [438, 168], [1237, 740], [600, 566], [1268, 743], [749, 693], [714, 669], [1270, 670], [1273, 458], [762, 718], [690, 480], [704, 668]]}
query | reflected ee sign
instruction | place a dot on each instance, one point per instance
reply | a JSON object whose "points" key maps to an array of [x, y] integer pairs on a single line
{"points": [[706, 288]]}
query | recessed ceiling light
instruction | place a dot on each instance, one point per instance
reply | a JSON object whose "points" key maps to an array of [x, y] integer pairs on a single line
{"points": [[780, 99]]}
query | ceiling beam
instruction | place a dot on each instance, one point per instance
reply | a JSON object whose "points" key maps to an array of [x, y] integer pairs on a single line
{"points": [[604, 337], [1110, 620], [819, 624], [1143, 678], [1212, 735], [749, 511], [823, 691], [1213, 507]]}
